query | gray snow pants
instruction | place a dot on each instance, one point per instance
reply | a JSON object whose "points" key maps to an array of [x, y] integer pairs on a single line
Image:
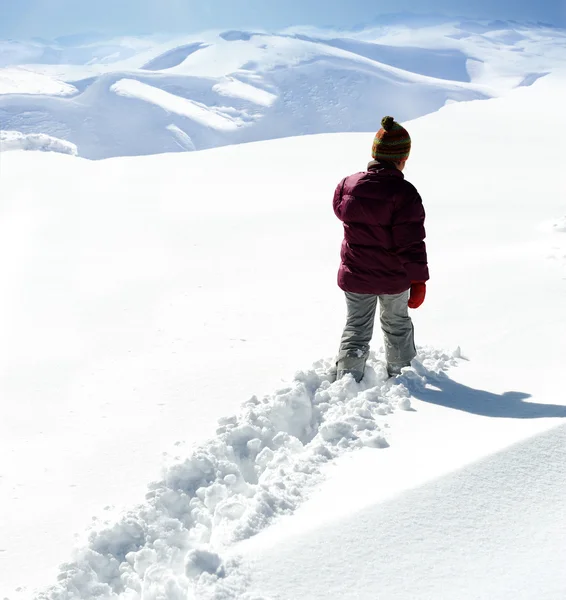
{"points": [[397, 330]]}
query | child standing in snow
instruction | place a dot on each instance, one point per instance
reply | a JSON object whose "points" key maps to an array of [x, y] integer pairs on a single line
{"points": [[383, 254]]}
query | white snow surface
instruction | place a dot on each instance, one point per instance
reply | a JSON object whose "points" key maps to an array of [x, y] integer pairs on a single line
{"points": [[199, 113], [146, 298], [233, 88], [24, 81], [493, 529], [229, 87]]}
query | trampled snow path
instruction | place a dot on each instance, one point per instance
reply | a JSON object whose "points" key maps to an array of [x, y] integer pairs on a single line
{"points": [[262, 464]]}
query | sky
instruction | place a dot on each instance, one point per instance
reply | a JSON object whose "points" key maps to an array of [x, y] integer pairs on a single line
{"points": [[52, 18]]}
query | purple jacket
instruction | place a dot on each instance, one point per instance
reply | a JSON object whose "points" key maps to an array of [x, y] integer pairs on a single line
{"points": [[383, 249]]}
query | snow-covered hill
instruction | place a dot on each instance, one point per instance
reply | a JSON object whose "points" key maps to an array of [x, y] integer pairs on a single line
{"points": [[143, 96], [144, 299]]}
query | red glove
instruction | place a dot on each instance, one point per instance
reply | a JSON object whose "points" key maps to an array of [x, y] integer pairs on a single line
{"points": [[418, 293]]}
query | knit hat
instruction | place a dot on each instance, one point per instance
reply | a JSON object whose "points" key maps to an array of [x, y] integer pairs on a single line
{"points": [[392, 142]]}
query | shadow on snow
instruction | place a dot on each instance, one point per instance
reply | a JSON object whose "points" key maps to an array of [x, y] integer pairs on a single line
{"points": [[443, 391]]}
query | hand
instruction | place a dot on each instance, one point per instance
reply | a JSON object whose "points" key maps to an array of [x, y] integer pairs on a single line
{"points": [[418, 293]]}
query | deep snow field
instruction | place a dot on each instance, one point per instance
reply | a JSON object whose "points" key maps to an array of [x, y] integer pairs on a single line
{"points": [[170, 319], [146, 95]]}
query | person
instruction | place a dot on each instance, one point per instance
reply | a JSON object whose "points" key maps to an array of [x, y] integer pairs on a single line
{"points": [[383, 255]]}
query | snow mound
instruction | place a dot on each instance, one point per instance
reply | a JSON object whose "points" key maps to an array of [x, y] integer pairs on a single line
{"points": [[14, 140], [560, 225], [211, 117], [234, 88], [262, 464]]}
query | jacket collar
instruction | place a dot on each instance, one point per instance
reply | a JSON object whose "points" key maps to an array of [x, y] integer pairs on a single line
{"points": [[385, 168]]}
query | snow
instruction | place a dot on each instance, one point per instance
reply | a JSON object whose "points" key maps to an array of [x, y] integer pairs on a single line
{"points": [[470, 534], [260, 464], [230, 87], [234, 88], [14, 140], [172, 58], [24, 81], [183, 139], [146, 298], [203, 115]]}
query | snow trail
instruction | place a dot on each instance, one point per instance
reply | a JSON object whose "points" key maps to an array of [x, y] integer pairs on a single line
{"points": [[262, 464]]}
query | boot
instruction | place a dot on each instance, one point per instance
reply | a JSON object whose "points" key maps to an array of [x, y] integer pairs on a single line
{"points": [[394, 369], [353, 364]]}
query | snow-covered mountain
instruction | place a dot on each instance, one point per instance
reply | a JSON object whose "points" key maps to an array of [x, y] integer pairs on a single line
{"points": [[145, 299], [150, 95]]}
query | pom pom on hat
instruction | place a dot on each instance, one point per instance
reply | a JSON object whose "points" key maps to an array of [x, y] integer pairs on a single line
{"points": [[387, 123]]}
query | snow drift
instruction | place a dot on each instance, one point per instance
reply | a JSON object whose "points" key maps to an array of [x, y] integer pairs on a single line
{"points": [[493, 529]]}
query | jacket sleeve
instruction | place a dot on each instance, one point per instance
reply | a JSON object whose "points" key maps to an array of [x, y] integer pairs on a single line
{"points": [[337, 201], [409, 234]]}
